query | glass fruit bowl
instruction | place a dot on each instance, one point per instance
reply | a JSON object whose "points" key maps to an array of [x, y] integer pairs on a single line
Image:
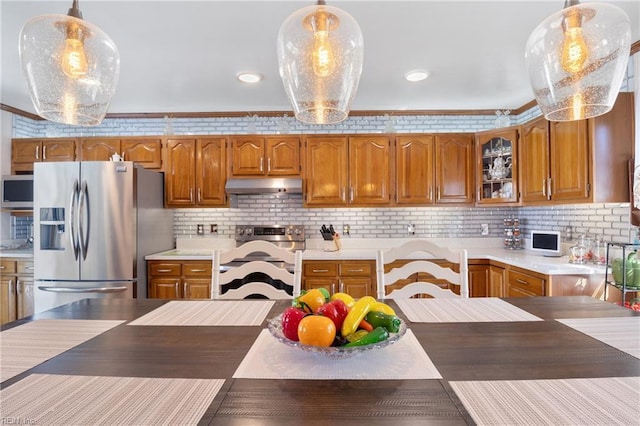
{"points": [[336, 352]]}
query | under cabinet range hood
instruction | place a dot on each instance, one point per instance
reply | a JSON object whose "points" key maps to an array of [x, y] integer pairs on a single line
{"points": [[264, 185]]}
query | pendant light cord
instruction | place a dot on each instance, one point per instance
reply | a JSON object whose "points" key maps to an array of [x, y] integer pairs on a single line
{"points": [[75, 11]]}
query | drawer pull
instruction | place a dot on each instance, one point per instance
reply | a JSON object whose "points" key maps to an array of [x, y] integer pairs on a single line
{"points": [[522, 281], [197, 270], [320, 270], [163, 270], [29, 268], [355, 270], [3, 267]]}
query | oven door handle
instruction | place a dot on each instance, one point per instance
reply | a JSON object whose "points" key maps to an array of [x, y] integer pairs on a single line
{"points": [[83, 290]]}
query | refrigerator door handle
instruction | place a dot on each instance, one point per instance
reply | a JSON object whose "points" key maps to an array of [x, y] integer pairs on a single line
{"points": [[73, 204], [84, 213], [83, 290]]}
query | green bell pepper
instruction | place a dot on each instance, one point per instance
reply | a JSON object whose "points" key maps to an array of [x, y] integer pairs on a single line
{"points": [[378, 334], [380, 319]]}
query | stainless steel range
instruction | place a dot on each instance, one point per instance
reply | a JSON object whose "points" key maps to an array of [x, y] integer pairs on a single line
{"points": [[290, 237]]}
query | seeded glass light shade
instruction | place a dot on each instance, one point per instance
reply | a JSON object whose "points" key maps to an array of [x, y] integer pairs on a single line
{"points": [[71, 68], [320, 52], [577, 59]]}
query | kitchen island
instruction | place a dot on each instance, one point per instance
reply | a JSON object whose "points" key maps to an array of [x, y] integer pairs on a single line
{"points": [[462, 352]]}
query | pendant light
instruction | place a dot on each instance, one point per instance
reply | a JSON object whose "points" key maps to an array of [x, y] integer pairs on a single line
{"points": [[320, 51], [577, 59], [71, 67]]}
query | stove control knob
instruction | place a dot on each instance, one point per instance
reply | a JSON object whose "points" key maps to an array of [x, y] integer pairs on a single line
{"points": [[298, 231], [249, 231]]}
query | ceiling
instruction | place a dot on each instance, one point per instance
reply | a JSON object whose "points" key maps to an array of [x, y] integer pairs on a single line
{"points": [[183, 56]]}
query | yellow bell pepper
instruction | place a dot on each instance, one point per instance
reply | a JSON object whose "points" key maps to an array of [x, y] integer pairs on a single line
{"points": [[357, 314], [347, 299], [384, 308]]}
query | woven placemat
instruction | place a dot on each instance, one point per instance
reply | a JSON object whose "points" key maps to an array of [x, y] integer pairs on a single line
{"points": [[477, 309], [270, 359], [599, 401], [25, 346], [44, 399], [622, 333], [208, 313]]}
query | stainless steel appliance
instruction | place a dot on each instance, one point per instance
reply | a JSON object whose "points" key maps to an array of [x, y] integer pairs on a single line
{"points": [[17, 192], [290, 237], [94, 223]]}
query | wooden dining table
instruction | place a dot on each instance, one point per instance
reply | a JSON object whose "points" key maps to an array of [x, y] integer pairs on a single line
{"points": [[461, 351]]}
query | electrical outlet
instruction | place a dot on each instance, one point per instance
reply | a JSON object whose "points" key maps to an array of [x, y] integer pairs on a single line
{"points": [[484, 229], [411, 229], [346, 229], [213, 228], [200, 229]]}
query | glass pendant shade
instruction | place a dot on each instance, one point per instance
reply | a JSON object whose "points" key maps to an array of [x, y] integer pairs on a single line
{"points": [[320, 52], [577, 59], [71, 68]]}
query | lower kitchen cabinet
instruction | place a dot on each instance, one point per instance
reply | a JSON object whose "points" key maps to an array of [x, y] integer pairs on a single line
{"points": [[479, 280], [524, 283], [16, 289], [496, 281], [354, 277], [187, 279]]}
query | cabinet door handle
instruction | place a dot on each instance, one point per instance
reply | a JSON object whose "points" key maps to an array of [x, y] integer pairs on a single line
{"points": [[344, 192], [341, 287], [191, 194], [519, 281], [351, 193], [37, 152], [44, 152], [549, 188], [430, 193], [163, 270], [333, 288], [184, 289], [268, 164], [19, 285], [10, 286], [544, 187], [261, 164], [320, 270], [122, 156], [199, 194], [438, 193]]}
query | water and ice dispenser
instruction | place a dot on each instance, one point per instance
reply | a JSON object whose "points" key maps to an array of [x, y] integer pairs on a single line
{"points": [[52, 228]]}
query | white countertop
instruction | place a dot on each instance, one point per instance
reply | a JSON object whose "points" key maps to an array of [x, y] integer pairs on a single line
{"points": [[26, 253], [365, 249]]}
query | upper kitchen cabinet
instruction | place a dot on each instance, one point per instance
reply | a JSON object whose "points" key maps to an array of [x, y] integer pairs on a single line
{"points": [[434, 169], [142, 150], [25, 152], [347, 171], [454, 168], [578, 161], [195, 172], [497, 166], [265, 156]]}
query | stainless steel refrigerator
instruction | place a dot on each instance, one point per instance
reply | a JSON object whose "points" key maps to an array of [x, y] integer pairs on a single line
{"points": [[94, 223]]}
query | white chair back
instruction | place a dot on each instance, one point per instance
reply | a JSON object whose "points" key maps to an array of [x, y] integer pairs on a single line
{"points": [[291, 279], [421, 254]]}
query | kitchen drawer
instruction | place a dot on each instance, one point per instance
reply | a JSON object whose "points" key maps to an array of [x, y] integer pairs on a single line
{"points": [[320, 269], [165, 269], [25, 267], [7, 267], [526, 282], [356, 269], [201, 269]]}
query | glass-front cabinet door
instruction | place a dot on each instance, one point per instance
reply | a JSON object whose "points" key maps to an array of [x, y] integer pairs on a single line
{"points": [[497, 166]]}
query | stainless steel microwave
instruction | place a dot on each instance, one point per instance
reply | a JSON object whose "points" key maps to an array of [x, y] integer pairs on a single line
{"points": [[17, 192]]}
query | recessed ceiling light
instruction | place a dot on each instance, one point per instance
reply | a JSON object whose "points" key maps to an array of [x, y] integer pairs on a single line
{"points": [[249, 77], [417, 75]]}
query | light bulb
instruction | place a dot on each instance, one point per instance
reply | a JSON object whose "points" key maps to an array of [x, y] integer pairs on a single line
{"points": [[74, 59], [575, 51], [323, 58]]}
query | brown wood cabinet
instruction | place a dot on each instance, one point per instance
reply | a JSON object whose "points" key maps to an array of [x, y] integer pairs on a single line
{"points": [[434, 169], [578, 161], [524, 283], [496, 281], [195, 172], [265, 156], [354, 277], [25, 152], [16, 289], [146, 151], [347, 171], [497, 167], [185, 279], [479, 280]]}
